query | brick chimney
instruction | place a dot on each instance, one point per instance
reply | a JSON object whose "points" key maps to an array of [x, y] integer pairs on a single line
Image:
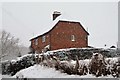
{"points": [[56, 14]]}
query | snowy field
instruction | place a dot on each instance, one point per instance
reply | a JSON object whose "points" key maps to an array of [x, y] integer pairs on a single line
{"points": [[38, 71]]}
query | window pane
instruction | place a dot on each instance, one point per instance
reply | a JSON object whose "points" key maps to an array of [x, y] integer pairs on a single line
{"points": [[36, 41], [43, 39], [72, 37]]}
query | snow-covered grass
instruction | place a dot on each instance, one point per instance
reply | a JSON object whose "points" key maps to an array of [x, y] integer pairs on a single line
{"points": [[38, 71]]}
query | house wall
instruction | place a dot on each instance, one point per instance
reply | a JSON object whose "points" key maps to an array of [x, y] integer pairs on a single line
{"points": [[41, 44], [61, 37]]}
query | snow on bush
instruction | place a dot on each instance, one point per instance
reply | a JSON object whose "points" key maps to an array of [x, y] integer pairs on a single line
{"points": [[71, 61], [97, 66], [13, 66]]}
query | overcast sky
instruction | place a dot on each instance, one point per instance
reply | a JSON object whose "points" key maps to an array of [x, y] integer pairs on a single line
{"points": [[28, 19]]}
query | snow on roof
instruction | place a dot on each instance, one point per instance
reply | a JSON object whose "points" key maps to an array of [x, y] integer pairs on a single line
{"points": [[62, 17]]}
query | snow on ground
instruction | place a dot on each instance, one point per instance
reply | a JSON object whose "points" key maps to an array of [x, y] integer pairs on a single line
{"points": [[38, 71], [0, 76], [4, 76]]}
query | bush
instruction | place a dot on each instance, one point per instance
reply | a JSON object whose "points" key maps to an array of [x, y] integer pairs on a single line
{"points": [[12, 67]]}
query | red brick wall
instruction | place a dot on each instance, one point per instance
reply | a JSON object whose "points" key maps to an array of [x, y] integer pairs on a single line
{"points": [[41, 44], [61, 37]]}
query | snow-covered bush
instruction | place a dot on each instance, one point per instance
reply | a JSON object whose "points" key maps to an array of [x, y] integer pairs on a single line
{"points": [[115, 68], [4, 66], [97, 65], [11, 67], [70, 61], [84, 53]]}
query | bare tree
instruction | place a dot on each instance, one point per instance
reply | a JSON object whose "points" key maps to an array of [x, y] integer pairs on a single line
{"points": [[8, 44]]}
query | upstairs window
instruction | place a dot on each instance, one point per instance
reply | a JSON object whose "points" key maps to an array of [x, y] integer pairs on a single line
{"points": [[36, 41], [43, 38], [72, 37]]}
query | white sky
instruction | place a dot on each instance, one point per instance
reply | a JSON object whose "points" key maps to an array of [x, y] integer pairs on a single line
{"points": [[27, 19]]}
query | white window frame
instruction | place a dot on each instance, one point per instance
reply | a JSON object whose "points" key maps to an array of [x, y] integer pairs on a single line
{"points": [[43, 38], [36, 41], [72, 37]]}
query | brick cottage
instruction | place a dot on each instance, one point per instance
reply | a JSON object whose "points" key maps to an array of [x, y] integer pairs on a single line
{"points": [[64, 34]]}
